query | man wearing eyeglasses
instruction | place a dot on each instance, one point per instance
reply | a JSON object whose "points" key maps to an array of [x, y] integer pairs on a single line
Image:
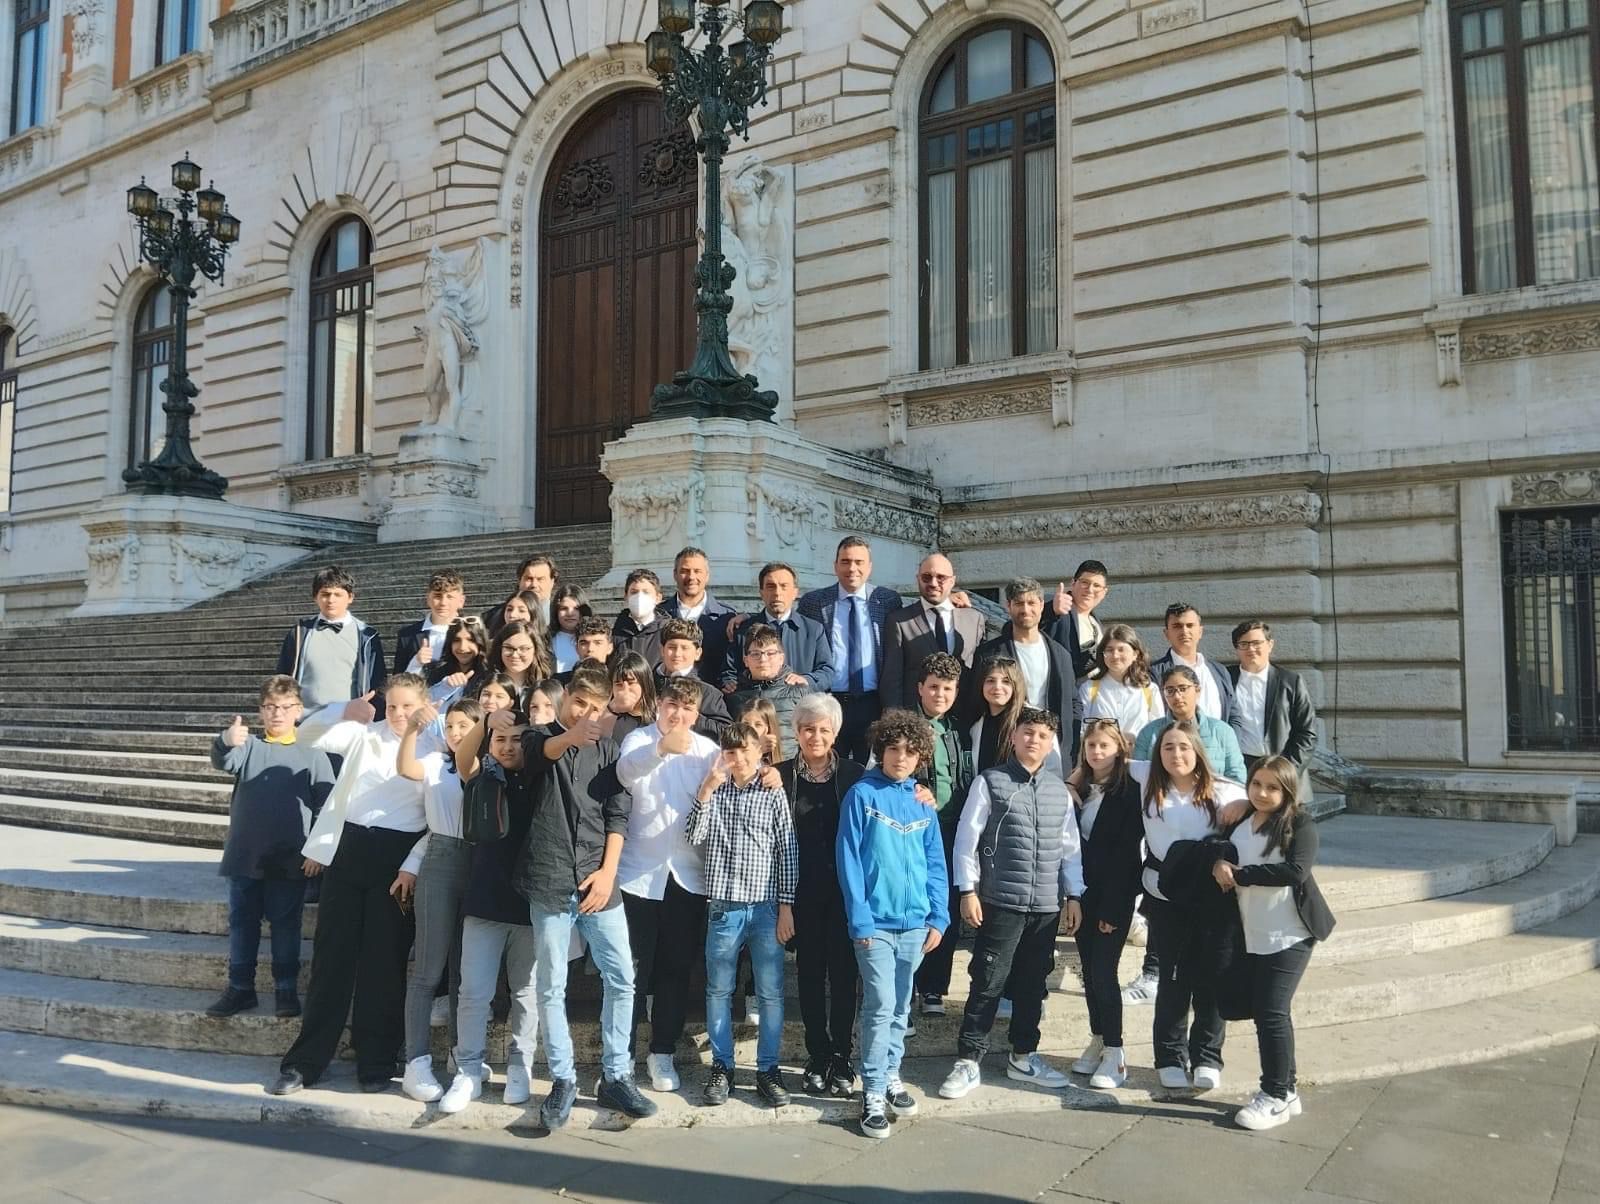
{"points": [[1276, 717], [933, 623]]}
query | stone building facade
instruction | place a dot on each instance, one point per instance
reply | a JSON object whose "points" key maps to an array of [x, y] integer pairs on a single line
{"points": [[1192, 287]]}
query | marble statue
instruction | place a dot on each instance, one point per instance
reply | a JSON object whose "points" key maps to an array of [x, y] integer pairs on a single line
{"points": [[455, 303]]}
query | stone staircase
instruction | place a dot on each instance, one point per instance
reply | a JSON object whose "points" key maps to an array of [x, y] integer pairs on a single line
{"points": [[1457, 940]]}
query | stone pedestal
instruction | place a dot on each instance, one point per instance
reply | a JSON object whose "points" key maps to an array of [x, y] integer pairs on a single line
{"points": [[750, 492], [435, 489], [156, 552]]}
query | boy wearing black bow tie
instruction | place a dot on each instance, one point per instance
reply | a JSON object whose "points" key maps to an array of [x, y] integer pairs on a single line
{"points": [[333, 655]]}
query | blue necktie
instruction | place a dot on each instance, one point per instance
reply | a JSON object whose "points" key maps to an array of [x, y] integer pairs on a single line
{"points": [[858, 672]]}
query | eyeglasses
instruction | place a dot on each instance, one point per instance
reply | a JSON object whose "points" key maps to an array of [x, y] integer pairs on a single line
{"points": [[1251, 645], [1176, 690], [934, 577], [762, 654], [279, 708]]}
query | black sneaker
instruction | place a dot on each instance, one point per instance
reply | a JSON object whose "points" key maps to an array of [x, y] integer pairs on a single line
{"points": [[718, 1083], [556, 1108], [841, 1079], [901, 1102], [815, 1077], [874, 1116], [232, 1001], [374, 1085], [769, 1086], [288, 1005], [623, 1095], [287, 1083]]}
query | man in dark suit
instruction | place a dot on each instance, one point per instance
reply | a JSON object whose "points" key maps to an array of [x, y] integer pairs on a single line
{"points": [[1183, 630], [1074, 627], [807, 651], [691, 571], [853, 614], [1276, 717], [933, 623], [1046, 666]]}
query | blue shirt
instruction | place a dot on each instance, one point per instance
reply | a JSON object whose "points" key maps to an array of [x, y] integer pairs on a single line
{"points": [[866, 639]]}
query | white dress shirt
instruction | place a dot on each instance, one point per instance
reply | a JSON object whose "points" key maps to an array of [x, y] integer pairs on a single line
{"points": [[692, 613], [1177, 817], [1088, 629], [663, 790], [1210, 696], [564, 647], [441, 801], [369, 791], [434, 633], [1271, 920], [1250, 696], [840, 635], [946, 611], [975, 817]]}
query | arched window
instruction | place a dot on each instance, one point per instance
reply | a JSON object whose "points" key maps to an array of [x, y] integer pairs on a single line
{"points": [[31, 24], [177, 28], [988, 189], [152, 349], [340, 388], [8, 410]]}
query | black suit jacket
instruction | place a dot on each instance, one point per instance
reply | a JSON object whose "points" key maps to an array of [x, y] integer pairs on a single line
{"points": [[1290, 721], [406, 642], [1059, 694], [713, 625], [1064, 631], [908, 639], [1112, 861]]}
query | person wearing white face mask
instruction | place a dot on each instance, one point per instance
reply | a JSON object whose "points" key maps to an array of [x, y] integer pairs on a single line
{"points": [[638, 627]]}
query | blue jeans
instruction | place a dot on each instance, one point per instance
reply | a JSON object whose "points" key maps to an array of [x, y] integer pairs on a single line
{"points": [[888, 965], [728, 927], [281, 902], [607, 934]]}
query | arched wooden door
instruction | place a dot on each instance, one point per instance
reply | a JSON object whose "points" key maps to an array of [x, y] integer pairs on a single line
{"points": [[616, 292]]}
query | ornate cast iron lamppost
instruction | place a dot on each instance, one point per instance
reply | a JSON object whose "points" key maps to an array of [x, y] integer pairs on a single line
{"points": [[189, 234], [721, 85]]}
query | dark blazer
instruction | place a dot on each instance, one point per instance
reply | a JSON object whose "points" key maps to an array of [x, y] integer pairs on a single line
{"points": [[1295, 871], [806, 648], [1230, 712], [1064, 631], [1060, 694], [1290, 723], [1112, 862], [713, 707], [628, 636], [820, 604], [370, 672], [908, 639], [406, 642], [713, 624]]}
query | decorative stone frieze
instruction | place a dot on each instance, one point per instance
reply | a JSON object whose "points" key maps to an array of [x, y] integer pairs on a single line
{"points": [[1299, 508], [977, 407], [1551, 338], [864, 516], [1554, 488]]}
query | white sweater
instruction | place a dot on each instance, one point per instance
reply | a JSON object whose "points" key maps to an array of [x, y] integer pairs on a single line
{"points": [[663, 790]]}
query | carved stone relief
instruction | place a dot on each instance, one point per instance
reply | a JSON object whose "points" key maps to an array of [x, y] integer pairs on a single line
{"points": [[1259, 510]]}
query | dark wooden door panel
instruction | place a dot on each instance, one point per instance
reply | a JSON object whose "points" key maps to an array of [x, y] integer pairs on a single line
{"points": [[616, 293]]}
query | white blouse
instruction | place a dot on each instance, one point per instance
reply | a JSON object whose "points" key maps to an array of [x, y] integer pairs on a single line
{"points": [[1271, 919], [1131, 706], [441, 800], [564, 648], [1177, 817]]}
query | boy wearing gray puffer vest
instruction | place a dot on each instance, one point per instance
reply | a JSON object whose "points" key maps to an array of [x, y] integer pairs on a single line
{"points": [[1016, 862]]}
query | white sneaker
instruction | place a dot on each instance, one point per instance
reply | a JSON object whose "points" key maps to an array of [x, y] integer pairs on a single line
{"points": [[519, 1085], [1003, 1012], [1141, 990], [1267, 1112], [439, 1015], [1174, 1078], [1139, 931], [1031, 1068], [464, 1088], [1112, 1071], [419, 1082], [1207, 1078], [1090, 1061], [663, 1074], [962, 1079]]}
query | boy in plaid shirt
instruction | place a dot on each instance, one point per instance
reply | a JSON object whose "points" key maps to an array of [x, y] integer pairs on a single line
{"points": [[752, 866]]}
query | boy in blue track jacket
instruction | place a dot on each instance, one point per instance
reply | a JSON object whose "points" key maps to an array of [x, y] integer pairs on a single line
{"points": [[896, 899]]}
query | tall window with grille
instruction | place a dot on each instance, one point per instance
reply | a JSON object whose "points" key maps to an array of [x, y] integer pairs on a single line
{"points": [[177, 28], [30, 31], [1551, 574], [153, 334], [340, 388], [8, 410], [987, 137], [1525, 133]]}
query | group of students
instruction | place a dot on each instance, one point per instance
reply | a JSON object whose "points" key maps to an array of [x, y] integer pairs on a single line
{"points": [[838, 774]]}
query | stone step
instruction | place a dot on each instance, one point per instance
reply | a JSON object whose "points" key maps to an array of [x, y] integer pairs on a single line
{"points": [[186, 767], [135, 823], [138, 719], [171, 795], [1369, 861], [156, 702], [133, 740], [102, 1077]]}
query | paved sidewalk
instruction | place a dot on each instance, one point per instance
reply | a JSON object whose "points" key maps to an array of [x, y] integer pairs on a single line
{"points": [[1524, 1129]]}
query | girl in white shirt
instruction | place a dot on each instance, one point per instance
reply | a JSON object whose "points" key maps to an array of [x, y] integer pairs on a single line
{"points": [[436, 873], [1183, 800], [569, 605], [1119, 686], [466, 656], [1004, 695]]}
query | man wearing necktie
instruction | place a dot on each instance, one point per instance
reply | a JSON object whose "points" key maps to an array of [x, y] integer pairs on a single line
{"points": [[853, 612], [933, 623]]}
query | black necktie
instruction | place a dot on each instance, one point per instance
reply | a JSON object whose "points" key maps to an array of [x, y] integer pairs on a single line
{"points": [[327, 625], [940, 636]]}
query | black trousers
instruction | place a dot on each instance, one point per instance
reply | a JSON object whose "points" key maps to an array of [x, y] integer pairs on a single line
{"points": [[1173, 933], [825, 962], [666, 936], [933, 975], [359, 956], [1098, 953], [1015, 948], [1274, 978], [860, 712]]}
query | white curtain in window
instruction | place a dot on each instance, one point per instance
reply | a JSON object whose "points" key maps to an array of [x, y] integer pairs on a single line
{"points": [[989, 261], [1494, 231], [1563, 188], [942, 270], [1039, 223], [8, 418]]}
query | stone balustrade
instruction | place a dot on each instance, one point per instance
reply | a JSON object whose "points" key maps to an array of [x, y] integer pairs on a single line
{"points": [[254, 34]]}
